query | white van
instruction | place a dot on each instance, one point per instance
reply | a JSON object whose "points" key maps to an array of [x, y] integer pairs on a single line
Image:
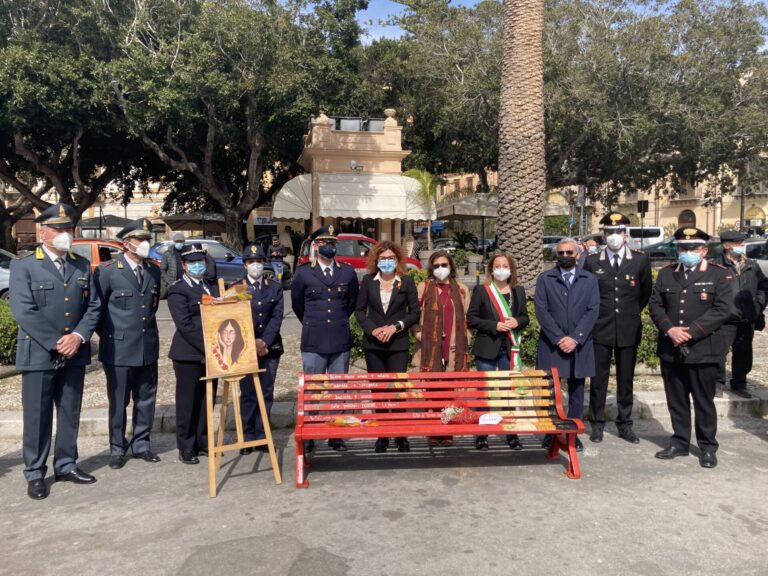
{"points": [[638, 238]]}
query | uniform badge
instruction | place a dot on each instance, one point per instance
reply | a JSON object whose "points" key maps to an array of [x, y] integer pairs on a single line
{"points": [[632, 283], [704, 296]]}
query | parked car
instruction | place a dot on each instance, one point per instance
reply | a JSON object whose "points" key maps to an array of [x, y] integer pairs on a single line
{"points": [[5, 273], [759, 252], [96, 250], [550, 241], [667, 250], [596, 237], [639, 238], [352, 249], [229, 263], [447, 244]]}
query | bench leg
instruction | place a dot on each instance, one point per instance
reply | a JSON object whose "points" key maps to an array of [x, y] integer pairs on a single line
{"points": [[301, 463], [574, 470]]}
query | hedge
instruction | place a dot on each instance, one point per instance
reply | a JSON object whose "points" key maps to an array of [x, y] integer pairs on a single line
{"points": [[8, 331]]}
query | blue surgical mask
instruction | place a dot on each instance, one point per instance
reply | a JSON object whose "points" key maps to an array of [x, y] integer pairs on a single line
{"points": [[178, 245], [196, 269], [689, 259], [739, 250], [387, 266]]}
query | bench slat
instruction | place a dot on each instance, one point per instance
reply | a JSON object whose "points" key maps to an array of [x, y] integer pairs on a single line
{"points": [[313, 419], [450, 394], [394, 376], [411, 404], [426, 384]]}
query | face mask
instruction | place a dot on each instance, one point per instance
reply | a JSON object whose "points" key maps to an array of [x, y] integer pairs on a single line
{"points": [[593, 249], [386, 266], [327, 250], [255, 270], [739, 250], [142, 250], [63, 241], [566, 262], [178, 245], [501, 274], [196, 269], [615, 241], [441, 273], [689, 259]]}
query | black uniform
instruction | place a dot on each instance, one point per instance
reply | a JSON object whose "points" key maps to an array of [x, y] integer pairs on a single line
{"points": [[703, 303], [624, 292], [750, 290]]}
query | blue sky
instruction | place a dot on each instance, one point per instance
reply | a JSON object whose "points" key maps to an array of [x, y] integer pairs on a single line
{"points": [[381, 9]]}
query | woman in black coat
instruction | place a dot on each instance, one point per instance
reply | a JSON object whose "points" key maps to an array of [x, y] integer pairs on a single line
{"points": [[387, 306], [498, 313]]}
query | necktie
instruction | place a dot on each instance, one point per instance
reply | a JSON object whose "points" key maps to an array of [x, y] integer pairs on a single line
{"points": [[687, 271], [140, 275], [615, 261], [568, 276], [328, 273], [62, 265]]}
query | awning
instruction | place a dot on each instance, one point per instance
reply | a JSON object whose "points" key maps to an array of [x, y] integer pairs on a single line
{"points": [[352, 196], [105, 221], [471, 207]]}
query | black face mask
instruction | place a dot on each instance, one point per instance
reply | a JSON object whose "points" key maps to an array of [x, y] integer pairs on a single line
{"points": [[566, 262], [327, 250]]}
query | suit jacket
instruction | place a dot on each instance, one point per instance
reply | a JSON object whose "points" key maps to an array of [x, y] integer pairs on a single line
{"points": [[47, 307], [323, 306], [482, 317], [566, 311], [184, 298], [703, 303], [403, 307], [128, 327], [267, 311], [623, 295], [750, 290]]}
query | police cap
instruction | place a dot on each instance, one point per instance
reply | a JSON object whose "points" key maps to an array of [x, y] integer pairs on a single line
{"points": [[690, 237], [253, 251], [324, 233], [732, 236], [57, 216], [614, 222], [140, 228], [192, 252]]}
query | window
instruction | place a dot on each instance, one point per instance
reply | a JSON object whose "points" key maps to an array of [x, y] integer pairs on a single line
{"points": [[107, 253], [83, 250]]}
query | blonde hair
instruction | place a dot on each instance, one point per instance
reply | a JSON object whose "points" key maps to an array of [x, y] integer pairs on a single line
{"points": [[512, 280]]}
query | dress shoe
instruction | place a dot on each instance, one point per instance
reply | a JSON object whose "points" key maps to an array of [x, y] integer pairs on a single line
{"points": [[547, 442], [446, 441], [741, 393], [381, 445], [481, 443], [309, 446], [77, 476], [37, 489], [246, 451], [629, 435], [671, 452], [514, 442], [188, 457], [116, 462], [596, 435], [147, 456], [337, 444], [707, 459], [203, 452], [579, 445], [402, 444]]}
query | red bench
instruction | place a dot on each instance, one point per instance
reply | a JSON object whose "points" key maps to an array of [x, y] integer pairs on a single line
{"points": [[529, 402]]}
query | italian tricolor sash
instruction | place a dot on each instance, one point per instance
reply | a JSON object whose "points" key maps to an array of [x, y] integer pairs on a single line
{"points": [[501, 306]]}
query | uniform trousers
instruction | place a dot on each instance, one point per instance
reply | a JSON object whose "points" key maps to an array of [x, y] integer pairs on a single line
{"points": [[123, 384], [742, 335], [41, 390], [386, 361], [681, 383], [598, 390], [191, 415], [253, 427], [315, 363]]}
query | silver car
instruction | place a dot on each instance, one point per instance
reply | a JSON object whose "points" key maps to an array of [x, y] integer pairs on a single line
{"points": [[5, 274], [758, 250]]}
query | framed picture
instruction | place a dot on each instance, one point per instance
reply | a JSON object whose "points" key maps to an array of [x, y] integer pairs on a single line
{"points": [[230, 344]]}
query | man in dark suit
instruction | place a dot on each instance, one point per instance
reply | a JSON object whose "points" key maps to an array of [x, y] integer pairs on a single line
{"points": [[624, 278], [323, 296], [54, 300], [267, 312], [567, 303], [129, 290], [691, 301]]}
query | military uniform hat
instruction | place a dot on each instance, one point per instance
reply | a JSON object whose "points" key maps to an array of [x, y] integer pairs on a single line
{"points": [[254, 251], [325, 233], [688, 236], [732, 236], [57, 216], [614, 221], [193, 253], [141, 228]]}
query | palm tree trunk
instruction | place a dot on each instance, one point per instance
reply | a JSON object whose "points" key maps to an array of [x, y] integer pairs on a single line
{"points": [[522, 171]]}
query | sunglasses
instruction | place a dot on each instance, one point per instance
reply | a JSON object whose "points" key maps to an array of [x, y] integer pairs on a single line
{"points": [[566, 253], [443, 265]]}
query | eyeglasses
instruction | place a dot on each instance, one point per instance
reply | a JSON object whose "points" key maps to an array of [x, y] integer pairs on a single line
{"points": [[386, 259], [442, 265], [566, 253]]}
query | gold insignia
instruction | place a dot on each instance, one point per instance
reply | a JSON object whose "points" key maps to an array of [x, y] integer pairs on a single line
{"points": [[689, 233], [119, 265], [254, 249], [330, 230], [146, 225], [62, 213], [39, 253], [615, 218]]}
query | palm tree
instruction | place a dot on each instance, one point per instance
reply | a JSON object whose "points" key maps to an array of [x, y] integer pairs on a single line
{"points": [[425, 195], [522, 171]]}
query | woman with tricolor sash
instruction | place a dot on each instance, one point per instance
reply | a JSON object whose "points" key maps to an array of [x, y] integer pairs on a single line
{"points": [[499, 314]]}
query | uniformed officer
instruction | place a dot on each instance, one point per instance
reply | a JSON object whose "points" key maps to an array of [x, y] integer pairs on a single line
{"points": [[54, 301], [691, 301], [267, 312], [750, 291], [323, 296], [129, 290], [625, 281], [188, 354]]}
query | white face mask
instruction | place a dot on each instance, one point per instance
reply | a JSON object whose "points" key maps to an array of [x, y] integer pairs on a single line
{"points": [[142, 250], [501, 274], [615, 241], [63, 241], [441, 273], [255, 270]]}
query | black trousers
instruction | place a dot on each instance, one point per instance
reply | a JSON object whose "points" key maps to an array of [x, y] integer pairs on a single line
{"points": [[741, 355], [123, 384], [191, 416], [386, 361], [681, 383], [598, 388], [41, 390]]}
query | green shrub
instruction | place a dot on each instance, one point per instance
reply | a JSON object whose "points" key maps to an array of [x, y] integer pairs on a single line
{"points": [[419, 275], [356, 337], [8, 331]]}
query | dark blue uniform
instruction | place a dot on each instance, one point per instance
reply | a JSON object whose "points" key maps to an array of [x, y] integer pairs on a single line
{"points": [[129, 349], [47, 306]]}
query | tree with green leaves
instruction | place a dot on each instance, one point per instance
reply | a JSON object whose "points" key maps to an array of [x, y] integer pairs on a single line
{"points": [[425, 195]]}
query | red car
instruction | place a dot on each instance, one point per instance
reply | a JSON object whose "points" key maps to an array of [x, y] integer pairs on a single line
{"points": [[352, 249], [95, 250]]}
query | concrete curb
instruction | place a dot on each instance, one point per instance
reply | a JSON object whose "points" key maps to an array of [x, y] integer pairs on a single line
{"points": [[647, 406]]}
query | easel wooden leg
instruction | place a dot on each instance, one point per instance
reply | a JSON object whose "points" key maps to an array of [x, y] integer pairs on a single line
{"points": [[222, 423], [236, 406], [211, 452], [267, 430]]}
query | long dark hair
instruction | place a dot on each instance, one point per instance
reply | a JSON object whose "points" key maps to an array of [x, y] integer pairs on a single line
{"points": [[239, 344], [435, 256]]}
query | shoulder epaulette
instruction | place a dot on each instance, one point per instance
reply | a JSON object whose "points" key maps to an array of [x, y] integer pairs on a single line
{"points": [[636, 251], [177, 281], [718, 265], [27, 255], [671, 265], [107, 264]]}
